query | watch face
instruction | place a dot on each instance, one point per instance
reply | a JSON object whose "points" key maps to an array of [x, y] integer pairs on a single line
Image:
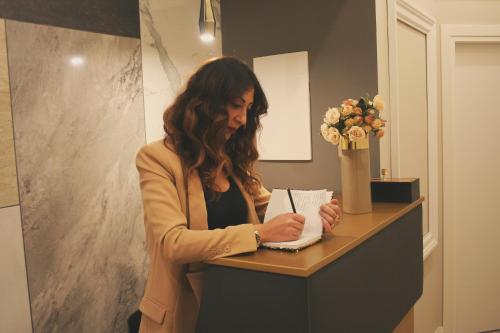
{"points": [[257, 237]]}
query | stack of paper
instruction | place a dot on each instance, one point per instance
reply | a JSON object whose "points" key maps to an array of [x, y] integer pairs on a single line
{"points": [[306, 203]]}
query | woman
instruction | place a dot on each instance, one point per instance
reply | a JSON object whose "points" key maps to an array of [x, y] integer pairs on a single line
{"points": [[202, 198]]}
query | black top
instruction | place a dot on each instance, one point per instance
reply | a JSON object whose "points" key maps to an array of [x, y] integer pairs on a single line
{"points": [[229, 209]]}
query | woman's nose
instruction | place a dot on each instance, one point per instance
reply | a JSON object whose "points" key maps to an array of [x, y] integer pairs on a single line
{"points": [[241, 118]]}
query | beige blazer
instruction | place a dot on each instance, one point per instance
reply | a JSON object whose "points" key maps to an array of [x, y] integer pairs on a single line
{"points": [[175, 280]]}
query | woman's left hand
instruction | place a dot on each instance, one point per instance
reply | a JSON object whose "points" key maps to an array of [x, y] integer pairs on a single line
{"points": [[330, 215]]}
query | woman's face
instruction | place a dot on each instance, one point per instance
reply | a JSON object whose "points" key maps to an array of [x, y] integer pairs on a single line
{"points": [[237, 110]]}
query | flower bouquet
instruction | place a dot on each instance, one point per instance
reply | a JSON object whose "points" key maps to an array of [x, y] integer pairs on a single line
{"points": [[351, 124], [348, 127]]}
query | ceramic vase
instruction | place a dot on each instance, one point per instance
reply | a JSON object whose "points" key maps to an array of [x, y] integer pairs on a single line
{"points": [[355, 171]]}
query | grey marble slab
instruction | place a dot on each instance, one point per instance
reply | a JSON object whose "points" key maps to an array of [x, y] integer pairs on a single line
{"points": [[115, 17], [77, 104], [171, 51]]}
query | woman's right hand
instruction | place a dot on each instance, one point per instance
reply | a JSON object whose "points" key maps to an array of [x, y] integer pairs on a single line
{"points": [[282, 228]]}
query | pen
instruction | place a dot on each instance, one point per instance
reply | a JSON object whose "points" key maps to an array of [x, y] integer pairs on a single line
{"points": [[291, 199]]}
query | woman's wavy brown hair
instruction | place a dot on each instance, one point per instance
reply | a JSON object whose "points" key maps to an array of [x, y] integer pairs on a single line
{"points": [[196, 123]]}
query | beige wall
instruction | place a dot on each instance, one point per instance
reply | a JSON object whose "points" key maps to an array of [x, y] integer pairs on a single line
{"points": [[429, 309], [462, 11]]}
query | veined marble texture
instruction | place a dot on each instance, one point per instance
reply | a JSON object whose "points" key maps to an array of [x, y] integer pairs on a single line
{"points": [[171, 51], [77, 104], [8, 179]]}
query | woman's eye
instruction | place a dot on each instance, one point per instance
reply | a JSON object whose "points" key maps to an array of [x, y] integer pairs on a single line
{"points": [[236, 106]]}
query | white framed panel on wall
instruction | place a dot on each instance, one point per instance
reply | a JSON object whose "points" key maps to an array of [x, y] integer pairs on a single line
{"points": [[413, 100], [470, 60], [286, 129]]}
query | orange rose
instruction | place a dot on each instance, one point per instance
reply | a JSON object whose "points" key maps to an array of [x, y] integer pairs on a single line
{"points": [[369, 119], [346, 110], [349, 122]]}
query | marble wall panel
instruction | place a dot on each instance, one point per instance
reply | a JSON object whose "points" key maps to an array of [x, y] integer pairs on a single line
{"points": [[171, 50], [8, 179], [77, 104], [114, 17], [14, 303]]}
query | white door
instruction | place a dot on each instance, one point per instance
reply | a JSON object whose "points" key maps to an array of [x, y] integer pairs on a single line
{"points": [[471, 177]]}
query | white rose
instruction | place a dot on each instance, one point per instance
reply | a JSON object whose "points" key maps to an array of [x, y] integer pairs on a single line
{"points": [[346, 110], [333, 135], [324, 131], [378, 103], [356, 134], [332, 116]]}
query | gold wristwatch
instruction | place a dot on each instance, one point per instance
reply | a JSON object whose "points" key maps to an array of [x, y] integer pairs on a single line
{"points": [[257, 237]]}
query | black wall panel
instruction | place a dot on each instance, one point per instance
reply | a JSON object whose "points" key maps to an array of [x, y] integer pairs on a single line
{"points": [[114, 17]]}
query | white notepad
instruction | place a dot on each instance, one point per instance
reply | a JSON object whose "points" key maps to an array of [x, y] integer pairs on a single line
{"points": [[306, 203]]}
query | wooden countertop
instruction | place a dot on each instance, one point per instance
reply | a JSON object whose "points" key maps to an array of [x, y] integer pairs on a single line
{"points": [[352, 231]]}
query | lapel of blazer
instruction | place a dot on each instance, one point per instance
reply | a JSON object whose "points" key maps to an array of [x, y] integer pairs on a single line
{"points": [[197, 208]]}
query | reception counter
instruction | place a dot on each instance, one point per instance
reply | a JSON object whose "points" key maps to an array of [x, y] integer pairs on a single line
{"points": [[365, 277]]}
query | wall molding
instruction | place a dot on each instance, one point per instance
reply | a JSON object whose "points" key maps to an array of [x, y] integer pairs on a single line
{"points": [[452, 34], [406, 12], [383, 79]]}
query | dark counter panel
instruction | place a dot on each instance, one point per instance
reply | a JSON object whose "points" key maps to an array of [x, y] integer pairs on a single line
{"points": [[368, 289]]}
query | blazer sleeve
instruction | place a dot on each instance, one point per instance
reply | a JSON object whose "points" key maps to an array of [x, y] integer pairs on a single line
{"points": [[166, 224]]}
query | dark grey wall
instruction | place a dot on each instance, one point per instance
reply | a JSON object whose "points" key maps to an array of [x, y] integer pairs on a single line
{"points": [[114, 17], [341, 40]]}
